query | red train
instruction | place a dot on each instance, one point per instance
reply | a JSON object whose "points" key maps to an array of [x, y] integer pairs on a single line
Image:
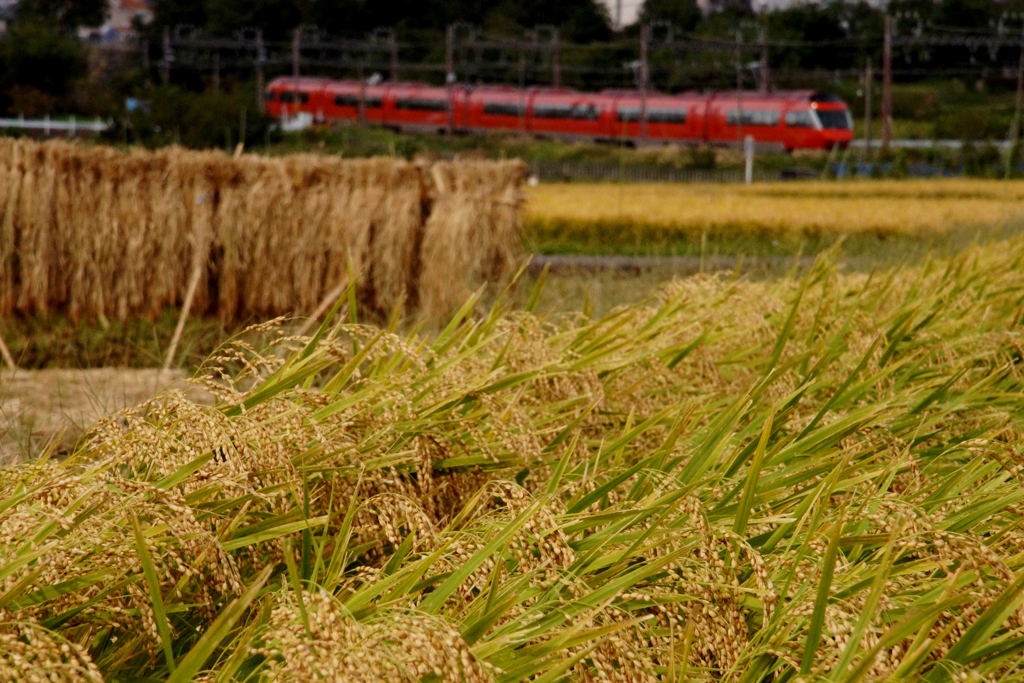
{"points": [[800, 119]]}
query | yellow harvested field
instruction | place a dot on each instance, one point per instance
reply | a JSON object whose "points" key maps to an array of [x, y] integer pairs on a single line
{"points": [[882, 207]]}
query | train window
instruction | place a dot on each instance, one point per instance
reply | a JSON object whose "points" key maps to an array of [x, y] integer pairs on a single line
{"points": [[353, 101], [667, 115], [628, 114], [632, 114], [553, 111], [835, 119], [503, 109], [752, 117], [421, 104], [269, 96], [587, 112], [293, 97], [799, 118]]}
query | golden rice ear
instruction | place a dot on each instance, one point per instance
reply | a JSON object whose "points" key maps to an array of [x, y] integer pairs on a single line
{"points": [[96, 232]]}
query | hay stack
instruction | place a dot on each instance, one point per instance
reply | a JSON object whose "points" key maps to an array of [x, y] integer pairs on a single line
{"points": [[95, 232], [457, 256]]}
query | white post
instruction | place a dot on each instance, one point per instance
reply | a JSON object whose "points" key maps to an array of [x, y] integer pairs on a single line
{"points": [[46, 125], [74, 127], [748, 149], [8, 358]]}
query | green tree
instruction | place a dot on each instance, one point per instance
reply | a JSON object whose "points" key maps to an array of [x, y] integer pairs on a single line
{"points": [[579, 20], [683, 14], [198, 120], [64, 14], [38, 67], [276, 18], [174, 12]]}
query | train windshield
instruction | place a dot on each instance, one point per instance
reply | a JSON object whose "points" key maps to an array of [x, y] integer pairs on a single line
{"points": [[836, 119]]}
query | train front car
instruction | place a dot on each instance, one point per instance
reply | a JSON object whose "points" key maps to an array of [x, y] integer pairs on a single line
{"points": [[817, 120], [834, 118], [793, 119]]}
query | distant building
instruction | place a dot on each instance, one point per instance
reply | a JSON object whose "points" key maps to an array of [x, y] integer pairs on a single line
{"points": [[122, 17]]}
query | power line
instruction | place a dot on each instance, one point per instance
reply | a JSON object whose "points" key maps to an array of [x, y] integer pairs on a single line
{"points": [[540, 56]]}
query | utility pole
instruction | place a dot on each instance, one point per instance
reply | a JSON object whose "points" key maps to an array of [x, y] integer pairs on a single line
{"points": [[522, 87], [216, 71], [393, 48], [144, 54], [261, 61], [764, 81], [361, 71], [554, 47], [618, 15], [887, 84], [384, 37], [1015, 126], [296, 51], [478, 56], [168, 57], [645, 78], [739, 85], [449, 71], [556, 59], [869, 82]]}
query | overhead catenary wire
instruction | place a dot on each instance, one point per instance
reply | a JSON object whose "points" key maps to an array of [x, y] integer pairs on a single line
{"points": [[479, 56]]}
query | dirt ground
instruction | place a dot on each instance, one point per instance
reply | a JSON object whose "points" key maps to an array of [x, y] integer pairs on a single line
{"points": [[40, 407]]}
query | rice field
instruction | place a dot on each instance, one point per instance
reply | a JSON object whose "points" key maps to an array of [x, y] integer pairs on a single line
{"points": [[661, 217], [813, 478]]}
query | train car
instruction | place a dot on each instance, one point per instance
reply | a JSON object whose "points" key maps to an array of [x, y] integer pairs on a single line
{"points": [[571, 114], [354, 101], [496, 108], [415, 106], [669, 118], [290, 96], [733, 116]]}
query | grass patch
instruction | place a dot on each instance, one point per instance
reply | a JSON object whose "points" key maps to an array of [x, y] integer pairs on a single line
{"points": [[54, 341]]}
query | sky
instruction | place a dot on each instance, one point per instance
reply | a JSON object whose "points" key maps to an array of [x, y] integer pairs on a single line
{"points": [[630, 8]]}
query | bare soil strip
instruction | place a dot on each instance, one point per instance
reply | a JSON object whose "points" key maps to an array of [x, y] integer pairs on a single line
{"points": [[37, 407]]}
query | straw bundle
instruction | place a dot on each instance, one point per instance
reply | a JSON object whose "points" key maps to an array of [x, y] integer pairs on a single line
{"points": [[96, 232], [468, 194]]}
